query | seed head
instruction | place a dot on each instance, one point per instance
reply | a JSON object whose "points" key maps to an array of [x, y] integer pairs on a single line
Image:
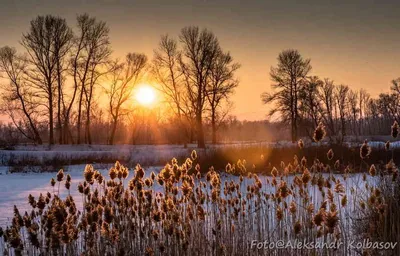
{"points": [[300, 143], [319, 132], [395, 129], [330, 154], [365, 150]]}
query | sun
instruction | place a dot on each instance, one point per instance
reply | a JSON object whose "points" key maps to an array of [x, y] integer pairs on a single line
{"points": [[145, 94]]}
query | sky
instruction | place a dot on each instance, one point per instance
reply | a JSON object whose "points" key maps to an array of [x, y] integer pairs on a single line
{"points": [[352, 42]]}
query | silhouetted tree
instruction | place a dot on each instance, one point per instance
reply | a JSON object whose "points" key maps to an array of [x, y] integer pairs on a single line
{"points": [[221, 85], [291, 70], [167, 73], [16, 96], [341, 96], [199, 53], [310, 103], [89, 65], [124, 78], [47, 43]]}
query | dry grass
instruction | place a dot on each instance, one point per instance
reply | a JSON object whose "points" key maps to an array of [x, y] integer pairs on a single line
{"points": [[180, 212]]}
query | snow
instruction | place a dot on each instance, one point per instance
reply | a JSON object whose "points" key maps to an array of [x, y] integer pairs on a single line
{"points": [[15, 187]]}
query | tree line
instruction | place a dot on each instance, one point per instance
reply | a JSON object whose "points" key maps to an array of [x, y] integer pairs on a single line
{"points": [[302, 101], [54, 86]]}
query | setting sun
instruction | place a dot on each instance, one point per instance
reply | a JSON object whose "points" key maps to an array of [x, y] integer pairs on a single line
{"points": [[145, 95]]}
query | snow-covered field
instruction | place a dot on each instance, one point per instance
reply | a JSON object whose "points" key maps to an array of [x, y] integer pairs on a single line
{"points": [[144, 154], [15, 187]]}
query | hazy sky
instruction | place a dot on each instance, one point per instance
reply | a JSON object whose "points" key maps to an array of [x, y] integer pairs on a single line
{"points": [[351, 42]]}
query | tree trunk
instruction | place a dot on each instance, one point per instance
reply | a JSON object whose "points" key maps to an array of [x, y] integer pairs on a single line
{"points": [[51, 137], [213, 127], [79, 117], [59, 124], [200, 133], [88, 133], [114, 128]]}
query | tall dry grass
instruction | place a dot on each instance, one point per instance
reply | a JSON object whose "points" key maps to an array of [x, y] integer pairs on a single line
{"points": [[177, 211]]}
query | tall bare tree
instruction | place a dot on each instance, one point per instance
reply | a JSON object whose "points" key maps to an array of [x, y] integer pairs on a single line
{"points": [[124, 77], [88, 65], [287, 77], [17, 95], [341, 96], [166, 71], [221, 85], [310, 107], [47, 43], [326, 95], [198, 55]]}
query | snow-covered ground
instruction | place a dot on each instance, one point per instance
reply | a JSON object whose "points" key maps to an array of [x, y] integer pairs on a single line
{"points": [[15, 188], [144, 154]]}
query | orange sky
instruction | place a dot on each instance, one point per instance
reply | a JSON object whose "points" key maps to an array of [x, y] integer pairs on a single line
{"points": [[353, 43]]}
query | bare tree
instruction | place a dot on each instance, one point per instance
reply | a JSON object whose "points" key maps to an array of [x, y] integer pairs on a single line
{"points": [[17, 96], [166, 71], [341, 96], [326, 95], [364, 98], [93, 51], [62, 44], [221, 85], [200, 49], [310, 107], [124, 78], [47, 43], [287, 77], [352, 98]]}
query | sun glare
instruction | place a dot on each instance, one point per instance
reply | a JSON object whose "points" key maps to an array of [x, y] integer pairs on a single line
{"points": [[145, 94]]}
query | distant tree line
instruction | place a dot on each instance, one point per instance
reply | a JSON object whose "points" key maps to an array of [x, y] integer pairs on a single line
{"points": [[54, 90], [302, 101]]}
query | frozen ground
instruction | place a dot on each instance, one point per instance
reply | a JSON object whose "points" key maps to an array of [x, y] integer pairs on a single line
{"points": [[15, 188], [144, 154]]}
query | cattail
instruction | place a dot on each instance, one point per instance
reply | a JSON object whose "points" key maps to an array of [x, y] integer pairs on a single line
{"points": [[297, 227], [387, 145], [372, 170], [390, 166], [330, 154], [279, 213], [305, 178], [337, 165], [304, 161], [344, 200], [60, 175], [365, 150], [274, 172], [319, 217], [228, 168], [108, 214], [283, 190], [395, 129], [300, 143], [125, 173], [319, 132], [67, 185], [331, 220], [292, 207], [112, 173], [193, 155], [80, 188]]}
